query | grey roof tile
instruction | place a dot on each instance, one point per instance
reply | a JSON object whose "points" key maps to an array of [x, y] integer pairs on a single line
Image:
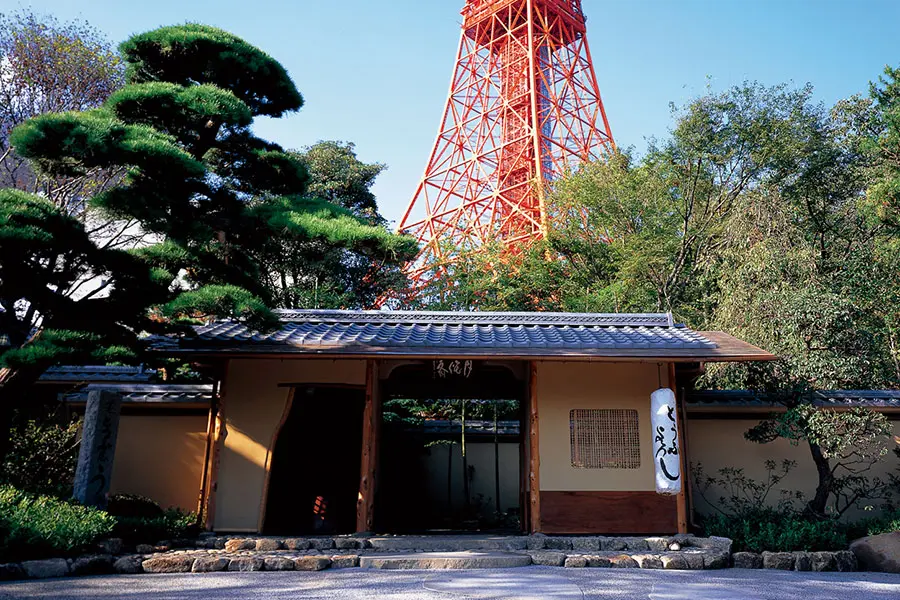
{"points": [[823, 398], [148, 393], [87, 373], [447, 332]]}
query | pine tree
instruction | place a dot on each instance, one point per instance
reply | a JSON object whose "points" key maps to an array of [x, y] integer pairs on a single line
{"points": [[198, 181]]}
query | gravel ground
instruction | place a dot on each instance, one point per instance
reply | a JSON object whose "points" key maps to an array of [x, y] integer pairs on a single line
{"points": [[509, 584]]}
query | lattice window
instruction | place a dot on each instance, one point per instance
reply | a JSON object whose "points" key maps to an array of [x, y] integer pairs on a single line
{"points": [[605, 439]]}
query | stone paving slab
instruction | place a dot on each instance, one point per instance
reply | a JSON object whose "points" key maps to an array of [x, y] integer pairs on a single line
{"points": [[445, 560], [448, 543]]}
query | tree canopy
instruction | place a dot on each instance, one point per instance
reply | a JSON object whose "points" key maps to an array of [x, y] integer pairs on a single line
{"points": [[213, 198]]}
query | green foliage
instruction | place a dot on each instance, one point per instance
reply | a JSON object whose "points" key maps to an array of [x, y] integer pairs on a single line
{"points": [[845, 445], [773, 531], [51, 66], [218, 210], [42, 458], [339, 177], [744, 513], [46, 256], [884, 194], [71, 143], [331, 247], [33, 527], [140, 520], [212, 300], [174, 109], [193, 53], [133, 505]]}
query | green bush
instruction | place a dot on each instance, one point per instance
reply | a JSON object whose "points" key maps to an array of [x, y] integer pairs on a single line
{"points": [[42, 457], [34, 526], [133, 506], [140, 520], [776, 531], [172, 524], [886, 523]]}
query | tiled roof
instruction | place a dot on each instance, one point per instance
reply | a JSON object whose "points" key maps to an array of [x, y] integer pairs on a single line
{"points": [[88, 373], [448, 427], [148, 393], [824, 398], [463, 333]]}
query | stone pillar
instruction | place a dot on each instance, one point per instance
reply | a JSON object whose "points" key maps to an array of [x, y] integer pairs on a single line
{"points": [[98, 448]]}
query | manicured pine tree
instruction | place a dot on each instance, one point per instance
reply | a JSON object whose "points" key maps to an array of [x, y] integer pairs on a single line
{"points": [[208, 191]]}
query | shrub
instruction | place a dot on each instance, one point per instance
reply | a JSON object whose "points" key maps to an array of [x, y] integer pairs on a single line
{"points": [[42, 458], [33, 526], [886, 523], [140, 520], [133, 506], [777, 531], [172, 524]]}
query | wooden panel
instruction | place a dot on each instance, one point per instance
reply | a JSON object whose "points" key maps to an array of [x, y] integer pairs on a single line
{"points": [[534, 454], [365, 503], [608, 513]]}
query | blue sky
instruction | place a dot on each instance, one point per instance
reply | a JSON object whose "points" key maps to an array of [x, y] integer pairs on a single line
{"points": [[376, 72]]}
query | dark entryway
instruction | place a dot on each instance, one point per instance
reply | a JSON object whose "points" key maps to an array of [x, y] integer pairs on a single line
{"points": [[451, 448], [314, 478]]}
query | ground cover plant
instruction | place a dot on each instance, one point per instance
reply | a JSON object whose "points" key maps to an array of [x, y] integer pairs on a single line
{"points": [[140, 520], [743, 509], [34, 526]]}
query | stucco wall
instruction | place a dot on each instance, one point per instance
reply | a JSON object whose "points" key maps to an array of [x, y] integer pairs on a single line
{"points": [[563, 386], [254, 405], [718, 443], [160, 457], [480, 459]]}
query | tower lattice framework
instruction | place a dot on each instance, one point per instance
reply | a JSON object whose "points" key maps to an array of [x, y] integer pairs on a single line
{"points": [[524, 108]]}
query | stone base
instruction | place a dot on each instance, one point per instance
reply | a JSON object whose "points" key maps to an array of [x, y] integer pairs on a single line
{"points": [[213, 553]]}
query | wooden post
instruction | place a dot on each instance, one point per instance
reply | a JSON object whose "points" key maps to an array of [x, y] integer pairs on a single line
{"points": [[219, 435], [365, 503], [534, 457], [681, 498], [210, 442]]}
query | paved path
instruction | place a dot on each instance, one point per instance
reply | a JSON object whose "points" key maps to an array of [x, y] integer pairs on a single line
{"points": [[511, 584]]}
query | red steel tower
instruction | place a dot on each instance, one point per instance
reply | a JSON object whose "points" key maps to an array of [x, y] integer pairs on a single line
{"points": [[524, 108]]}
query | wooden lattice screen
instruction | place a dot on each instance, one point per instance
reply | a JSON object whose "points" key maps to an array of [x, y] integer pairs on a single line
{"points": [[605, 439]]}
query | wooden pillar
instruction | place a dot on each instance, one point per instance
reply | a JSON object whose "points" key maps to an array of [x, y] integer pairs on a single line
{"points": [[220, 432], [534, 456], [365, 502], [202, 507], [681, 498]]}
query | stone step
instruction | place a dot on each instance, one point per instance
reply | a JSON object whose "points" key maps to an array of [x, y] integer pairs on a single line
{"points": [[445, 560], [448, 543]]}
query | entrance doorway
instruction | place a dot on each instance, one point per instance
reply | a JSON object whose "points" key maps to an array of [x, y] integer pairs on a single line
{"points": [[314, 476], [451, 451]]}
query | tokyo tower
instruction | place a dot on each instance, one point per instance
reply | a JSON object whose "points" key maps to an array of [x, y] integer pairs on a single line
{"points": [[524, 108]]}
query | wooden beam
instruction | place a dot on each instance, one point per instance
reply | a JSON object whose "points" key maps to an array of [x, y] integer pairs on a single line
{"points": [[681, 498], [534, 462], [220, 433], [365, 502]]}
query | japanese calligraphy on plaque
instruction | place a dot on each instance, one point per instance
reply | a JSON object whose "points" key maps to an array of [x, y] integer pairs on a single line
{"points": [[451, 369], [666, 456]]}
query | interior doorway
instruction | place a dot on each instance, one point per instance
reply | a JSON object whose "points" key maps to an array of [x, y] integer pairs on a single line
{"points": [[451, 448], [314, 476]]}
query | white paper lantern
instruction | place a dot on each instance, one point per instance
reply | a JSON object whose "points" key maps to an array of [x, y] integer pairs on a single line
{"points": [[666, 443]]}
